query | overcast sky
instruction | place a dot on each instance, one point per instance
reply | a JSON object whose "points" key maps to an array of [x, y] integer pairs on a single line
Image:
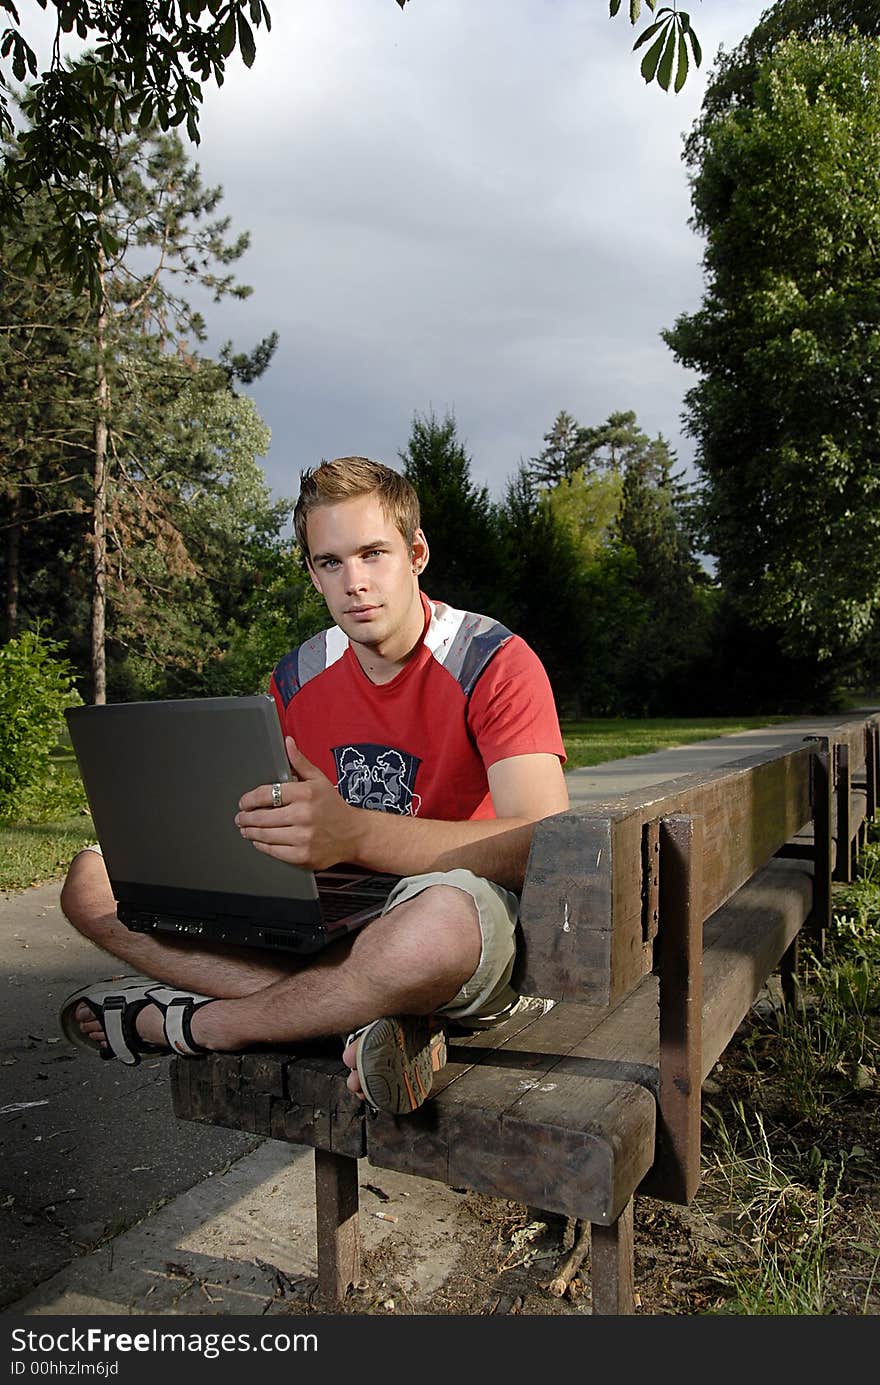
{"points": [[474, 206]]}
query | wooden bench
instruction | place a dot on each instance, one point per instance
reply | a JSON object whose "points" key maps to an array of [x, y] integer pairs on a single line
{"points": [[652, 920]]}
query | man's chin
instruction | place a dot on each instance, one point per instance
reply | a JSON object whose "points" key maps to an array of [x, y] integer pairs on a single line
{"points": [[368, 631]]}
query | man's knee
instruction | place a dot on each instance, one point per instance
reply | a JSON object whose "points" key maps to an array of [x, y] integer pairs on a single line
{"points": [[446, 919], [426, 946], [86, 893]]}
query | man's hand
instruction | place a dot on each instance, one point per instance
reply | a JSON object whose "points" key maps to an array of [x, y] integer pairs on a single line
{"points": [[314, 827]]}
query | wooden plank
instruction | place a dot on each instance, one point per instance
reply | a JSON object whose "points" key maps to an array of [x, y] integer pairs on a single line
{"points": [[564, 944], [759, 925], [571, 1145], [583, 901], [322, 1080]]}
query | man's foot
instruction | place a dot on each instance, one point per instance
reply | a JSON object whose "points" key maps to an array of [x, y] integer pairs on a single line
{"points": [[125, 1017], [395, 1059]]}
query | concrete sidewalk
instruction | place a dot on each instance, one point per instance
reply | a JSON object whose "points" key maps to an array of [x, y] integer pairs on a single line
{"points": [[110, 1205]]}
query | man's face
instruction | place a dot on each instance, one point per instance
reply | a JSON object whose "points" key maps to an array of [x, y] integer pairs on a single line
{"points": [[363, 569]]}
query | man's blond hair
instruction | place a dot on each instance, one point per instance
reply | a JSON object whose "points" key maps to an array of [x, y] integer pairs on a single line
{"points": [[347, 477]]}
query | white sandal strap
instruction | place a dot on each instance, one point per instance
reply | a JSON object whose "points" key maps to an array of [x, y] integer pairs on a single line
{"points": [[176, 1012], [114, 1031]]}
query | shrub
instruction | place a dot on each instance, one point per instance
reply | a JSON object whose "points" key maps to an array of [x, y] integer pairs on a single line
{"points": [[36, 684]]}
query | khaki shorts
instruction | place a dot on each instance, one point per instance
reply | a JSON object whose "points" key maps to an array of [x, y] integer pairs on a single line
{"points": [[488, 994]]}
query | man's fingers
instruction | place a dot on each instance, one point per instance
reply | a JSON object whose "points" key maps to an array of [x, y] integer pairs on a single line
{"points": [[302, 768]]}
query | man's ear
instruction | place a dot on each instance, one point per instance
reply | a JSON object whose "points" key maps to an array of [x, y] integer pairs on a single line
{"points": [[420, 552]]}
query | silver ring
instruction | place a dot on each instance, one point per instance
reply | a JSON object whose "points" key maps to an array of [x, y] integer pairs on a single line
{"points": [[277, 800]]}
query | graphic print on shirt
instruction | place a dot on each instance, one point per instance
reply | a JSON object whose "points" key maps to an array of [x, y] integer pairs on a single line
{"points": [[379, 777]]}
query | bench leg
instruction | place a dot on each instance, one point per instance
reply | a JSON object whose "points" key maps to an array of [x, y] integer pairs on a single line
{"points": [[788, 965], [676, 1172], [872, 768], [820, 917], [843, 862], [612, 1265], [339, 1237]]}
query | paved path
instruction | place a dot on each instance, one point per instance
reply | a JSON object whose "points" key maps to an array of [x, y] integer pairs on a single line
{"points": [[109, 1205]]}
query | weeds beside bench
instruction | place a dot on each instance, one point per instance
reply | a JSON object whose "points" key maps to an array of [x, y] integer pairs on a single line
{"points": [[653, 920]]}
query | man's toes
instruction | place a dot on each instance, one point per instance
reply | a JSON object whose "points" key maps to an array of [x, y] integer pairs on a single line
{"points": [[90, 1026], [352, 1082]]}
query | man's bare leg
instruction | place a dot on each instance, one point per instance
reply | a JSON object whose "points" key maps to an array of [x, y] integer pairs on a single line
{"points": [[87, 900], [411, 961]]}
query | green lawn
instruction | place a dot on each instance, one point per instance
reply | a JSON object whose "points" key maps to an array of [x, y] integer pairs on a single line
{"points": [[50, 827], [613, 738], [55, 822]]}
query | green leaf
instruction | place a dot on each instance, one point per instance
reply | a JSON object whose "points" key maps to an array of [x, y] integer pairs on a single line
{"points": [[246, 43], [664, 70], [651, 30], [613, 7], [682, 71], [695, 45], [226, 36], [648, 67]]}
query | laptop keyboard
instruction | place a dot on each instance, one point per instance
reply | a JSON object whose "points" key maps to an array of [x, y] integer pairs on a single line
{"points": [[342, 895]]}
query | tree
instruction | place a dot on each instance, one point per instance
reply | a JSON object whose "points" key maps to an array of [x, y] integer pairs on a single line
{"points": [[151, 59], [787, 342], [563, 454], [156, 423], [542, 593], [456, 515], [658, 656], [733, 77], [40, 327], [587, 505]]}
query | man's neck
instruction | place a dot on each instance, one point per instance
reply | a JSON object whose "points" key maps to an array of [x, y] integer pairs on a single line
{"points": [[382, 663]]}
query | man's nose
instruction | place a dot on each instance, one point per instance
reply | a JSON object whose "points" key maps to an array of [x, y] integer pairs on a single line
{"points": [[355, 576]]}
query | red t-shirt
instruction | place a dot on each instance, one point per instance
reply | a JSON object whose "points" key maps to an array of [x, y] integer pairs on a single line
{"points": [[471, 694]]}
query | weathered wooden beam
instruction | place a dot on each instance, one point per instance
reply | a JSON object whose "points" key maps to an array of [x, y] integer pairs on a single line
{"points": [[820, 917], [585, 925], [338, 1229], [843, 856], [676, 1169], [612, 1265]]}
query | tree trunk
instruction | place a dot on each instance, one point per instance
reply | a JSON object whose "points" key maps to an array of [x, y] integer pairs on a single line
{"points": [[99, 520], [13, 551]]}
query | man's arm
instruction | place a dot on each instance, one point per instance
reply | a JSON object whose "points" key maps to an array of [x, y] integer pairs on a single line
{"points": [[317, 828]]}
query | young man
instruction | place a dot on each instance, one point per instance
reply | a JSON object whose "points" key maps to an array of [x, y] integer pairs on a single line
{"points": [[441, 720]]}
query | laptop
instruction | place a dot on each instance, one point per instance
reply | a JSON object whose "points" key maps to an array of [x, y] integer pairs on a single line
{"points": [[163, 781]]}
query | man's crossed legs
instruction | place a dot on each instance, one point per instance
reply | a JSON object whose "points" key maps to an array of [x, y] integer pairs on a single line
{"points": [[444, 946]]}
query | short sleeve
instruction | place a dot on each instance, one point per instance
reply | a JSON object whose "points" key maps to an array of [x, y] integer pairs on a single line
{"points": [[512, 710]]}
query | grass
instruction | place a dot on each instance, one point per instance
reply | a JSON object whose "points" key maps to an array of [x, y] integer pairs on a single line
{"points": [[795, 1156], [614, 738], [51, 823]]}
